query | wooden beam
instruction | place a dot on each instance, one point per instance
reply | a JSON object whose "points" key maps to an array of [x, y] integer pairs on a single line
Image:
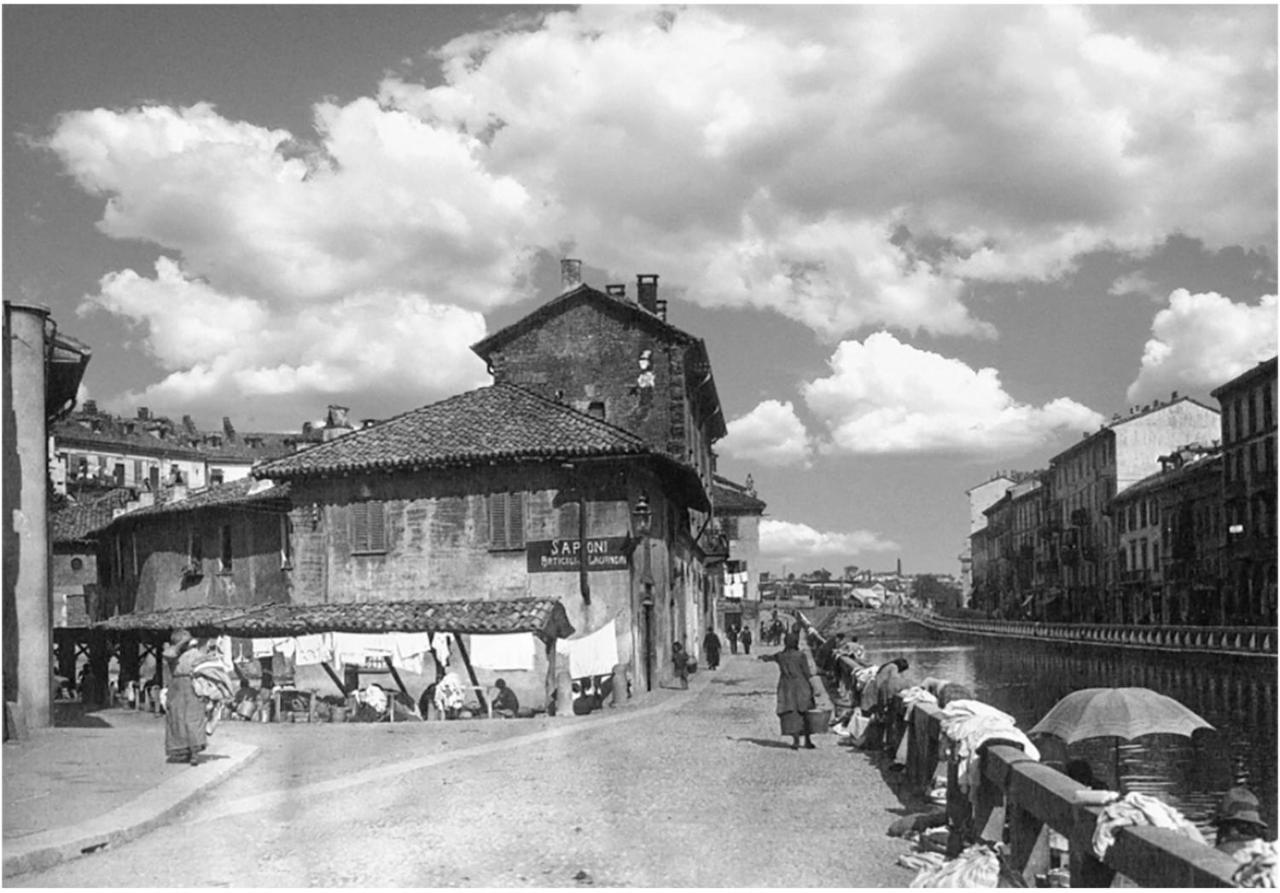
{"points": [[334, 676], [471, 673], [395, 675]]}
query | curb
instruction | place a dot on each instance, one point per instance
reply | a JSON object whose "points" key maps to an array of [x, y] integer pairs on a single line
{"points": [[40, 851]]}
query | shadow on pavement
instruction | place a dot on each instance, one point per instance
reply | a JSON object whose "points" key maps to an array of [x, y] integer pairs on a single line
{"points": [[75, 715], [762, 742]]}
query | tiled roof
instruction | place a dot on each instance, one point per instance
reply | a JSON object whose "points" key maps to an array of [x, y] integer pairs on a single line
{"points": [[499, 422], [543, 616], [581, 293], [730, 497], [77, 521], [113, 437], [240, 492]]}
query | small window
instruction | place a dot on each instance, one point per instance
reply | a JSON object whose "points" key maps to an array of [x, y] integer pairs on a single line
{"points": [[506, 521], [226, 549], [119, 474], [596, 409], [215, 477], [76, 564], [368, 527], [286, 542]]}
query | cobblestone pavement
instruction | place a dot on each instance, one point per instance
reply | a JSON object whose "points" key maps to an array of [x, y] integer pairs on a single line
{"points": [[682, 789]]}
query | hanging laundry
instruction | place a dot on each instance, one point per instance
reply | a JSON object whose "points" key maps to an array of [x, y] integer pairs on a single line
{"points": [[440, 648], [284, 646], [505, 651], [595, 654], [224, 652], [263, 647], [357, 648], [311, 650]]}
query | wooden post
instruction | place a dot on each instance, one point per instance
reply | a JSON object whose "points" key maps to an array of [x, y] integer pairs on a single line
{"points": [[396, 675], [1028, 843], [549, 684], [334, 676], [471, 673]]}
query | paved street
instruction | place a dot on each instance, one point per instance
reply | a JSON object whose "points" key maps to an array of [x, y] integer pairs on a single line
{"points": [[678, 789]]}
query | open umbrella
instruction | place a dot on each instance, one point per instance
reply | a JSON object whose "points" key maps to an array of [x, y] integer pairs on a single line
{"points": [[1124, 713]]}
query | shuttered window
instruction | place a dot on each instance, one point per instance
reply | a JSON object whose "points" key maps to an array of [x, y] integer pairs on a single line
{"points": [[506, 521], [368, 527]]}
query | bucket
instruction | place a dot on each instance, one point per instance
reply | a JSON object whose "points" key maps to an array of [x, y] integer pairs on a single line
{"points": [[818, 721]]}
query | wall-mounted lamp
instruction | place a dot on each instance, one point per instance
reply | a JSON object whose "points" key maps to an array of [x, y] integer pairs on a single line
{"points": [[642, 515], [315, 515]]}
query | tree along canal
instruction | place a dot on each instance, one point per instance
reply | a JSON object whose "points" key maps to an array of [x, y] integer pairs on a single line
{"points": [[1236, 695]]}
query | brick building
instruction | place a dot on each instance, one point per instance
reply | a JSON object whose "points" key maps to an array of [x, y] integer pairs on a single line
{"points": [[497, 494], [1082, 481], [1169, 532], [1249, 493]]}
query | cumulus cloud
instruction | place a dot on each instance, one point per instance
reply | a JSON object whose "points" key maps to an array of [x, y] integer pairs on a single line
{"points": [[846, 166], [770, 434], [884, 396], [1203, 340], [371, 348], [857, 166], [788, 540]]}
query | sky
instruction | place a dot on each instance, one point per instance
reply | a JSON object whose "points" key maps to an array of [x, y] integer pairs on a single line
{"points": [[922, 244]]}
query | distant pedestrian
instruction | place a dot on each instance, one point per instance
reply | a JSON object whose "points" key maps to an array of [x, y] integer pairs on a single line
{"points": [[711, 647], [184, 717], [680, 663], [733, 640], [795, 694], [745, 638]]}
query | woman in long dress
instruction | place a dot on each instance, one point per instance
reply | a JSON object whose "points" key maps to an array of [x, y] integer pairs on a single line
{"points": [[795, 694], [184, 716]]}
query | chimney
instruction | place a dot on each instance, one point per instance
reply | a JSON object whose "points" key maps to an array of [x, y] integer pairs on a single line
{"points": [[306, 428], [189, 424], [144, 413], [647, 293], [336, 417], [570, 273], [616, 290], [228, 429], [1173, 397], [91, 407]]}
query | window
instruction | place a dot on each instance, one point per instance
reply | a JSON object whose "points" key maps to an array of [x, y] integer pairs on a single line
{"points": [[1144, 548], [1253, 412], [1133, 516], [1155, 513], [368, 527], [118, 474], [1142, 513], [596, 409], [286, 542], [730, 527], [226, 549], [506, 521], [137, 471], [1155, 556], [195, 550], [1267, 418], [215, 477]]}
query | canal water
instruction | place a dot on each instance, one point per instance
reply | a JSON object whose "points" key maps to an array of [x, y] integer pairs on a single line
{"points": [[1025, 679]]}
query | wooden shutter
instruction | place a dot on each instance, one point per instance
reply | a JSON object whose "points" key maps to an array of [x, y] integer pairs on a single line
{"points": [[359, 526], [506, 521], [377, 527], [515, 521], [498, 521]]}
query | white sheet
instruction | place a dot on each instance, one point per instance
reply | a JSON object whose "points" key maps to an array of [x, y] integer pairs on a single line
{"points": [[505, 651]]}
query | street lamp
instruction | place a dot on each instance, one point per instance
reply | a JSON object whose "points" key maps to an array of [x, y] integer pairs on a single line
{"points": [[642, 515]]}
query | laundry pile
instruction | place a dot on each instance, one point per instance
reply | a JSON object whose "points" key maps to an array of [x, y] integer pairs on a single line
{"points": [[969, 724], [1138, 809]]}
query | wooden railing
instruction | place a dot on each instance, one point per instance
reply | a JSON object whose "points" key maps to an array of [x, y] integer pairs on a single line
{"points": [[1243, 641], [1019, 797]]}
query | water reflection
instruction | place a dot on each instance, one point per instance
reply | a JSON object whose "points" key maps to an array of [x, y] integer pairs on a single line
{"points": [[1236, 695]]}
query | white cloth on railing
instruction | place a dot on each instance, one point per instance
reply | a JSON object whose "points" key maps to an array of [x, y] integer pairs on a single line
{"points": [[1259, 865], [1138, 809], [969, 724], [912, 696]]}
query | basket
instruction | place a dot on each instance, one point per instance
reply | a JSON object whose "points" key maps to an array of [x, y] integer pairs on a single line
{"points": [[818, 721]]}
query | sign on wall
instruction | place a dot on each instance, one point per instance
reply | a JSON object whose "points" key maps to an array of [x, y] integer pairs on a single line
{"points": [[603, 553]]}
